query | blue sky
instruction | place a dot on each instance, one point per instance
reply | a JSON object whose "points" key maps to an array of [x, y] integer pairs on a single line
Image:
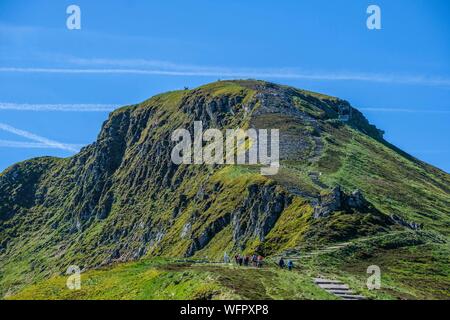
{"points": [[57, 85]]}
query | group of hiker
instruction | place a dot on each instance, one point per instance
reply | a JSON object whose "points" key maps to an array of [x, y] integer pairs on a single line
{"points": [[245, 260], [256, 261]]}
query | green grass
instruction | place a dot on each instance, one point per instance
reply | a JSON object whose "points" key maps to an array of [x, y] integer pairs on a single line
{"points": [[357, 161], [417, 272], [165, 279], [413, 265]]}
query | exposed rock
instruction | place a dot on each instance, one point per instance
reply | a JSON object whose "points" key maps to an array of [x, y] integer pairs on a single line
{"points": [[206, 236], [259, 213], [180, 205], [187, 228], [253, 219], [329, 203], [408, 224], [356, 200], [337, 200]]}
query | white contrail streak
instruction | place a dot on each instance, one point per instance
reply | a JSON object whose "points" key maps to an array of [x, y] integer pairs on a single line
{"points": [[34, 137], [57, 107], [259, 74], [32, 145], [403, 110]]}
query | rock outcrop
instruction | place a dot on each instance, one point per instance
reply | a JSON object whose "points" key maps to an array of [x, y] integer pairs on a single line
{"points": [[338, 200], [408, 224], [258, 213]]}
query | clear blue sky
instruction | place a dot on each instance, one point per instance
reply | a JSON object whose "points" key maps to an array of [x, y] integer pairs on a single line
{"points": [[127, 51]]}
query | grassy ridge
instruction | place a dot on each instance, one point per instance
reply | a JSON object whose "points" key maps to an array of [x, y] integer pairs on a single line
{"points": [[422, 193]]}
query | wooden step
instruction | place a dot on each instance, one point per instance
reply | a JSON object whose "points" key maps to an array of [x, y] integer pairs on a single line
{"points": [[341, 292], [334, 286], [326, 281]]}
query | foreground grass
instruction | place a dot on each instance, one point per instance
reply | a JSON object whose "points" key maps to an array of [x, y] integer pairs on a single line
{"points": [[163, 279], [414, 265]]}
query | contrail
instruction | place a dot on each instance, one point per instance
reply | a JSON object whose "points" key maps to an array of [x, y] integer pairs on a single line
{"points": [[58, 107], [258, 74], [403, 110], [33, 145], [34, 137]]}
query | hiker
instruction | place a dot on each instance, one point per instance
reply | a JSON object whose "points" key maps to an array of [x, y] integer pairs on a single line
{"points": [[241, 260], [246, 260], [290, 265], [226, 258], [259, 261], [281, 263], [254, 260], [236, 259]]}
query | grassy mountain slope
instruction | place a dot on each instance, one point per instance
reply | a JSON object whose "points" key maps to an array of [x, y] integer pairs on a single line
{"points": [[415, 265], [122, 199]]}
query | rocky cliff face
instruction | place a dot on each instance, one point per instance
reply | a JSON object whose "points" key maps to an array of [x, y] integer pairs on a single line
{"points": [[258, 213], [122, 197]]}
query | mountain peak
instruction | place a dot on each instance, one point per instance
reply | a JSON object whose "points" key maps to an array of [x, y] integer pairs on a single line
{"points": [[221, 100], [123, 198]]}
